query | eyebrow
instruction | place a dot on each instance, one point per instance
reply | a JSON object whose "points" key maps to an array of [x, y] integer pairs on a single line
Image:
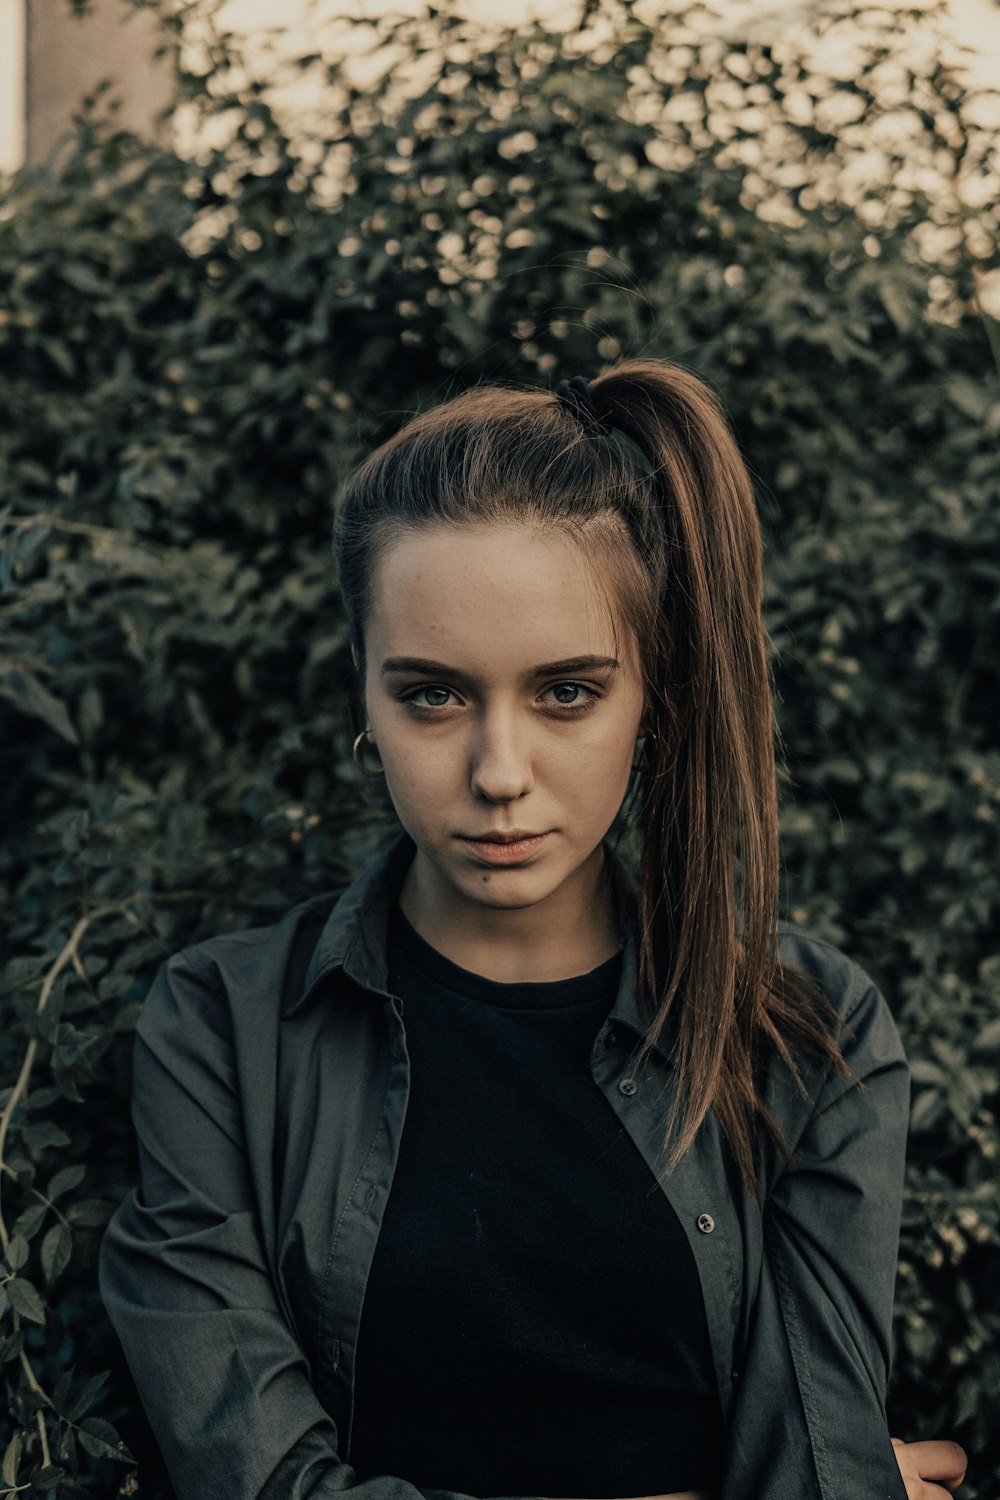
{"points": [[547, 669]]}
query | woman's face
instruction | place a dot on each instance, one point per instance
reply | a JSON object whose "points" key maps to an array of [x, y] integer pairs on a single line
{"points": [[484, 716]]}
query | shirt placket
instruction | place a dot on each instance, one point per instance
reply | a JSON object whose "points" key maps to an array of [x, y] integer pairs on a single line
{"points": [[359, 1224], [696, 1189]]}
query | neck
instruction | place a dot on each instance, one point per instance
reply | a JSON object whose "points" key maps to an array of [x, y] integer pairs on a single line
{"points": [[567, 933]]}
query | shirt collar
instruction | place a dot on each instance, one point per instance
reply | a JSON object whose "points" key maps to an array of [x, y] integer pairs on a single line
{"points": [[354, 937]]}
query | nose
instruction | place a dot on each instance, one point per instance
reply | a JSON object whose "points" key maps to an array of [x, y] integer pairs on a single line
{"points": [[500, 759]]}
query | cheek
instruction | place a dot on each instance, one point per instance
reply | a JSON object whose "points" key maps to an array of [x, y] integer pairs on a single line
{"points": [[596, 765], [419, 769]]}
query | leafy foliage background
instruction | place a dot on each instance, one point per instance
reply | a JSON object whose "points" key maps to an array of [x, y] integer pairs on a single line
{"points": [[195, 344]]}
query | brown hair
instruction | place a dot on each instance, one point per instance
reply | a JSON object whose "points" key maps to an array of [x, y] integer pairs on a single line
{"points": [[678, 547]]}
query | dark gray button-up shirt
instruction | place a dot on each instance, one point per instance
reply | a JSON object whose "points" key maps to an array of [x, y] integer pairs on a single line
{"points": [[269, 1096]]}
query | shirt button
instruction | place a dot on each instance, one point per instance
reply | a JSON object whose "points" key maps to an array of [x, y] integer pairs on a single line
{"points": [[610, 1038], [706, 1223], [628, 1087]]}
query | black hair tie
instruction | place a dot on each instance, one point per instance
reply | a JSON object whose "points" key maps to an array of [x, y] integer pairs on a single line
{"points": [[576, 394]]}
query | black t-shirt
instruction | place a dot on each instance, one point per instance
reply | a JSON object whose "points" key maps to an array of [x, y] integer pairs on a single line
{"points": [[533, 1321]]}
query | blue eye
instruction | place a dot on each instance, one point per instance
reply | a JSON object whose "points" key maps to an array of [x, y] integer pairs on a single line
{"points": [[410, 697], [563, 709], [576, 687]]}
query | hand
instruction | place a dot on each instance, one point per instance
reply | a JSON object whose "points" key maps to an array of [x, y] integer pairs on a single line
{"points": [[674, 1495], [931, 1469]]}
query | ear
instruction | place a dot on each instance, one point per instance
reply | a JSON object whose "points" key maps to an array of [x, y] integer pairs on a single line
{"points": [[357, 688]]}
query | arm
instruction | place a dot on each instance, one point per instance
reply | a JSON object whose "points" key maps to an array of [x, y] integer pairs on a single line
{"points": [[822, 1326], [184, 1277]]}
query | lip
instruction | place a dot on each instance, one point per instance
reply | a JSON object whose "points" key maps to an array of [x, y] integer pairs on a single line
{"points": [[500, 849], [496, 836]]}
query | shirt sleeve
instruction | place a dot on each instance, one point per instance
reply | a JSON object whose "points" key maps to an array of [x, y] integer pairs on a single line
{"points": [[824, 1313], [184, 1277]]}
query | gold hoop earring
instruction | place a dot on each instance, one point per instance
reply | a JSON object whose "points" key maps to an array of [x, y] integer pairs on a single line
{"points": [[365, 770]]}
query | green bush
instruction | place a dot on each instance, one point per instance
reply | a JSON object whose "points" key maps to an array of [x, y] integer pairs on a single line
{"points": [[194, 348]]}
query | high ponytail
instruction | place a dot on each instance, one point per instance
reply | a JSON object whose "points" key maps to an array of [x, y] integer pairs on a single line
{"points": [[709, 873], [676, 545]]}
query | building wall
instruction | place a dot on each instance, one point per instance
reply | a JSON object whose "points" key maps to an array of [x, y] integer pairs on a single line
{"points": [[11, 84], [66, 56]]}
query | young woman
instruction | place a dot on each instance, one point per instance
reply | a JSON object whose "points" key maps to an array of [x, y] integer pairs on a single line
{"points": [[519, 1168]]}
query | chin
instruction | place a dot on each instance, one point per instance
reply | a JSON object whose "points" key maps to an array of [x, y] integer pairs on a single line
{"points": [[523, 885]]}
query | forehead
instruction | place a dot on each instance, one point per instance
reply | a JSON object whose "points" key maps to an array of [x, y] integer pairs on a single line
{"points": [[496, 592]]}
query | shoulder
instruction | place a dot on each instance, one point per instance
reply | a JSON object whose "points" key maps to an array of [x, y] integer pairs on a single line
{"points": [[840, 979], [253, 955], [864, 1025], [237, 977], [826, 1106]]}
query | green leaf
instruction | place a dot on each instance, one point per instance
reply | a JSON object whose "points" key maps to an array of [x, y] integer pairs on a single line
{"points": [[17, 1252], [922, 1070], [91, 711], [100, 1440], [29, 1219], [969, 396], [20, 971], [86, 1396], [25, 1299], [899, 305], [42, 1098], [42, 1134], [57, 1247], [23, 1169], [48, 1477], [90, 1212], [60, 354], [11, 1346], [65, 1179], [988, 1039], [68, 1454], [82, 278], [27, 694], [11, 1459], [61, 1389], [927, 1108]]}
